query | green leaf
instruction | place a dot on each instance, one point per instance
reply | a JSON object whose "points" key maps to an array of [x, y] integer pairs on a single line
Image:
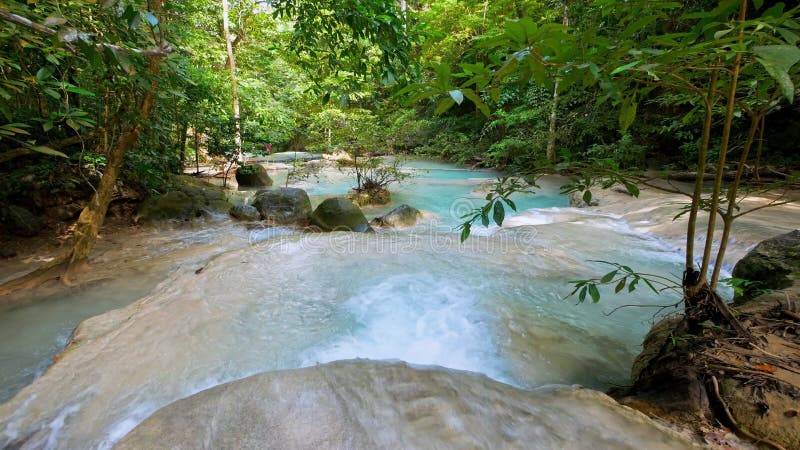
{"points": [[788, 36], [482, 107], [44, 73], [758, 3], [47, 151], [582, 294], [608, 277], [457, 96], [783, 79], [444, 105], [594, 293], [77, 90], [632, 286], [625, 67], [510, 203], [620, 286], [465, 232], [587, 197], [52, 93], [499, 213], [627, 113]]}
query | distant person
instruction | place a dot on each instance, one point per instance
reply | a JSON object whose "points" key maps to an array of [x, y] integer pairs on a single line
{"points": [[269, 148]]}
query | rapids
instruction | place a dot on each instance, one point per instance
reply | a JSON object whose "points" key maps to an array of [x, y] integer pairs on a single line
{"points": [[270, 299]]}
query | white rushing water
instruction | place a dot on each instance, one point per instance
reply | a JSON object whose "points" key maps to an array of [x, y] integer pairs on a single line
{"points": [[493, 305]]}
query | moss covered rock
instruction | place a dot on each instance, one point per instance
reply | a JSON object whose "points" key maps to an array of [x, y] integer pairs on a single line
{"points": [[253, 176], [245, 212], [339, 214], [283, 206], [19, 221], [185, 198], [772, 264]]}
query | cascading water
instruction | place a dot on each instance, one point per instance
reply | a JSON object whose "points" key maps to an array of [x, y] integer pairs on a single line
{"points": [[492, 305]]}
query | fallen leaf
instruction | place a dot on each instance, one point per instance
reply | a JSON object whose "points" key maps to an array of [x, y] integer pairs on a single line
{"points": [[765, 368]]}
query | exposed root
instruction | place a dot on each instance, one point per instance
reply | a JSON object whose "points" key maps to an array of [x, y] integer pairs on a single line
{"points": [[732, 421]]}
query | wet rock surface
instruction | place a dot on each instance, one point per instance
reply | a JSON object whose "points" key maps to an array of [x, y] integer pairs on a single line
{"points": [[368, 404], [283, 206]]}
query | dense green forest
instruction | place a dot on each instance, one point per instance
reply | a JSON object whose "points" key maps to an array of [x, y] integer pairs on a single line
{"points": [[107, 99]]}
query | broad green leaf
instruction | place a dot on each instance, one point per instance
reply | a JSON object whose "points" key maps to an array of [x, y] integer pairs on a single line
{"points": [[457, 96], [465, 232], [620, 286], [587, 196], [594, 293], [444, 105], [479, 103], [627, 113], [608, 277], [758, 3], [788, 36], [499, 213], [44, 73]]}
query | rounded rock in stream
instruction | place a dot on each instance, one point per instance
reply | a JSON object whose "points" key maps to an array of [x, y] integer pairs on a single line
{"points": [[254, 175], [401, 217], [340, 214], [284, 205], [370, 404]]}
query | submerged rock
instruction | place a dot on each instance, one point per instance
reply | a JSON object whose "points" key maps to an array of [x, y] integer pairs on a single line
{"points": [[245, 212], [254, 175], [21, 222], [339, 214], [401, 217], [185, 199], [368, 404], [283, 206], [772, 264]]}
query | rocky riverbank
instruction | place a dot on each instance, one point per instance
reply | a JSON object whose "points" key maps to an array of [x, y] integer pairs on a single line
{"points": [[700, 380]]}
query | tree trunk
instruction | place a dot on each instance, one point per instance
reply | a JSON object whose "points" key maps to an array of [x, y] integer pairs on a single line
{"points": [[232, 66], [551, 140], [723, 152], [94, 214], [708, 103], [182, 134]]}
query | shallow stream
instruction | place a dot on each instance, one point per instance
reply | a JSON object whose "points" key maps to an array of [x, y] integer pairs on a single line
{"points": [[269, 299]]}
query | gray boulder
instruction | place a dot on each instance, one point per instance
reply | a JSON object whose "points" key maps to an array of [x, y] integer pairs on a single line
{"points": [[340, 214], [245, 212], [283, 206], [20, 221], [186, 198], [361, 404], [773, 264], [401, 217], [253, 176]]}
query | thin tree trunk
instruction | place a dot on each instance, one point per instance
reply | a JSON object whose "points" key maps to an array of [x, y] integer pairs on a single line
{"points": [[551, 139], [196, 151], [182, 134], [723, 151], [727, 218], [708, 102], [93, 215], [757, 165], [232, 66]]}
